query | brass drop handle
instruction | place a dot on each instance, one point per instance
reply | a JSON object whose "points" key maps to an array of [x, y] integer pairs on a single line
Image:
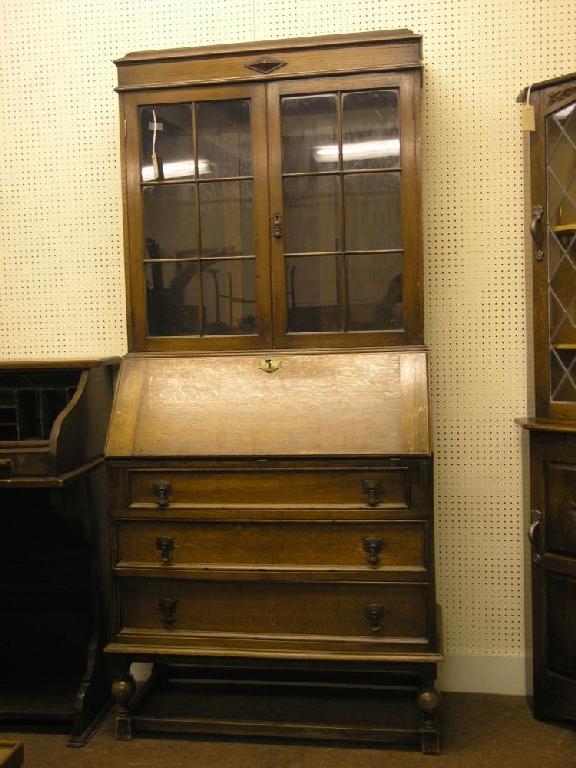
{"points": [[168, 607], [162, 491], [374, 614], [373, 548], [165, 545], [536, 230], [535, 522], [372, 489]]}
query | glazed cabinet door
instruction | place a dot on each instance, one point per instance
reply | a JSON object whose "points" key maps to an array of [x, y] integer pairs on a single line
{"points": [[553, 228], [197, 216], [345, 211], [553, 536]]}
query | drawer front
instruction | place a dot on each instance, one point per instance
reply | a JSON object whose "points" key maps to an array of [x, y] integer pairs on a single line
{"points": [[252, 545], [376, 611], [334, 488], [24, 462]]}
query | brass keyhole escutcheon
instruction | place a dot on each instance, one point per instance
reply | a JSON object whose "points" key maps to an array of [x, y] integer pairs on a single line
{"points": [[269, 366]]}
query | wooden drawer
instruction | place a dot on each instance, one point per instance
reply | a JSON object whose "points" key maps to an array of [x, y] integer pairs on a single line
{"points": [[334, 488], [246, 545], [33, 460], [369, 610]]}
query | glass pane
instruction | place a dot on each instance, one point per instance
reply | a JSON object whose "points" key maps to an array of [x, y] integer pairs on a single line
{"points": [[226, 218], [374, 291], [561, 155], [563, 282], [312, 214], [229, 291], [563, 375], [312, 293], [224, 143], [370, 130], [173, 298], [170, 229], [173, 143], [372, 205], [309, 133]]}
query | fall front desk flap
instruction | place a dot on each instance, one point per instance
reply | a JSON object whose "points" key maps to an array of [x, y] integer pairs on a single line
{"points": [[272, 404]]}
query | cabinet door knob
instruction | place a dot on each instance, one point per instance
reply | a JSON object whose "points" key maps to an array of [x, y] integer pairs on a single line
{"points": [[162, 491], [168, 607], [374, 614], [165, 545], [535, 522], [372, 489], [373, 548], [277, 226]]}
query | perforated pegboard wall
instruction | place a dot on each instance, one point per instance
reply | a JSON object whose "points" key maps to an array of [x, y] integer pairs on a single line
{"points": [[62, 286]]}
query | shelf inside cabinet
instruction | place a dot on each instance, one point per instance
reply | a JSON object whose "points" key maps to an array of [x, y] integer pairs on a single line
{"points": [[564, 227]]}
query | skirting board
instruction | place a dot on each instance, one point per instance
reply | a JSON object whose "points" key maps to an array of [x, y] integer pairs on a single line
{"points": [[509, 675]]}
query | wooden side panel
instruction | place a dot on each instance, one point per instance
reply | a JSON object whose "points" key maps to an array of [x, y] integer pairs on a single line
{"points": [[372, 403]]}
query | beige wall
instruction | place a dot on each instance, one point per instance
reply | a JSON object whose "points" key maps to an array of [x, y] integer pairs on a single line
{"points": [[61, 273]]}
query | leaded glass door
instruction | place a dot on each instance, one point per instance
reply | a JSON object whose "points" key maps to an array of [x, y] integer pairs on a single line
{"points": [[561, 247]]}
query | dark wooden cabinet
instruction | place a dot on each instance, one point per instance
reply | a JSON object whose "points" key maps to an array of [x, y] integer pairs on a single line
{"points": [[53, 422], [271, 512], [553, 429]]}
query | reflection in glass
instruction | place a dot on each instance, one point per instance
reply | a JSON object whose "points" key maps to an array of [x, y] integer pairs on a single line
{"points": [[229, 292], [224, 145], [166, 129], [312, 292], [309, 126], [370, 129], [372, 206], [312, 214], [173, 298], [374, 283], [226, 218], [170, 230]]}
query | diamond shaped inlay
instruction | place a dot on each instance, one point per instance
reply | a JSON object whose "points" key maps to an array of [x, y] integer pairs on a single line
{"points": [[266, 66]]}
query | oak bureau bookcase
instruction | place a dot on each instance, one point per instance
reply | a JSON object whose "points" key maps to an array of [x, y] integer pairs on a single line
{"points": [[269, 458]]}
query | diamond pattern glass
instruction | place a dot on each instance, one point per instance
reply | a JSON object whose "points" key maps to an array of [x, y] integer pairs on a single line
{"points": [[561, 226]]}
